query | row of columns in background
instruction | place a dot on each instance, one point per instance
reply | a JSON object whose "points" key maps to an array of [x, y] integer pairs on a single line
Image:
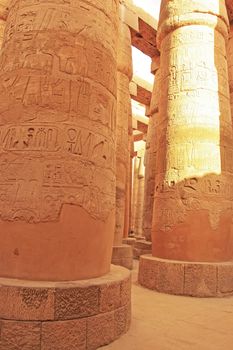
{"points": [[143, 180], [71, 238]]}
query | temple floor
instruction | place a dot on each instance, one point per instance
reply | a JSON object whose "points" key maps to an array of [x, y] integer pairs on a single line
{"points": [[167, 322]]}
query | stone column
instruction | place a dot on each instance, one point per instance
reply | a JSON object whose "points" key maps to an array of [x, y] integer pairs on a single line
{"points": [[192, 233], [150, 160], [128, 239], [138, 190], [144, 246], [230, 66], [122, 254], [129, 173], [57, 208], [3, 17]]}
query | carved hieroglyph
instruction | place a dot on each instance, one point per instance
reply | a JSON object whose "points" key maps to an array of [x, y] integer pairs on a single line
{"points": [[192, 217], [150, 160], [138, 190], [124, 75], [57, 132], [127, 224], [3, 16], [230, 66]]}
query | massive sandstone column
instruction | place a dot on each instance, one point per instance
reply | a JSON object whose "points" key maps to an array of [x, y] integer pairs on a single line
{"points": [[138, 189], [144, 246], [57, 191], [129, 173], [230, 66], [3, 16], [150, 160], [192, 230], [122, 254]]}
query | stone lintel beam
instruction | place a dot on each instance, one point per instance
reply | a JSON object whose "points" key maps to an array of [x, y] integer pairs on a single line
{"points": [[142, 127], [138, 137], [140, 94], [142, 33], [142, 39]]}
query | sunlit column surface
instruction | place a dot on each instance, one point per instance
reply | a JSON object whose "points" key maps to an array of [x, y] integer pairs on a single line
{"points": [[138, 188], [193, 200], [3, 16], [124, 75], [150, 159], [230, 66], [127, 224], [57, 125]]}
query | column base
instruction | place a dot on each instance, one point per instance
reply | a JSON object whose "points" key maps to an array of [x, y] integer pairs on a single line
{"points": [[74, 315], [129, 241], [186, 278], [123, 255], [141, 247]]}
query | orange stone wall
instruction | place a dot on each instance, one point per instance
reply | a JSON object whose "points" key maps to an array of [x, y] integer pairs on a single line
{"points": [[57, 129], [192, 218]]}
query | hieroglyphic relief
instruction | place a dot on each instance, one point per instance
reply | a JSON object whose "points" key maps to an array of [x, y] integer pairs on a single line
{"points": [[194, 169], [57, 110], [150, 158], [124, 75], [3, 16], [230, 65]]}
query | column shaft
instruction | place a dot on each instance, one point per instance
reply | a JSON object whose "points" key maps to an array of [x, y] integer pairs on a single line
{"points": [[192, 218], [57, 125]]}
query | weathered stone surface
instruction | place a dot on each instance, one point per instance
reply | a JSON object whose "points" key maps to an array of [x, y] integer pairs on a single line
{"points": [[3, 16], [186, 278], [58, 120], [76, 302], [126, 292], [124, 75], [141, 247], [26, 303], [110, 297], [19, 335], [170, 278], [138, 191], [150, 157], [122, 318], [148, 273], [123, 255], [80, 310], [100, 330], [225, 279], [200, 280], [192, 219], [230, 66], [64, 335], [229, 5], [129, 241]]}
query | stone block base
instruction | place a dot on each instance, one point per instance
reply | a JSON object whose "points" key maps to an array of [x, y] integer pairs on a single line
{"points": [[141, 247], [123, 255], [74, 315], [129, 241], [186, 278]]}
